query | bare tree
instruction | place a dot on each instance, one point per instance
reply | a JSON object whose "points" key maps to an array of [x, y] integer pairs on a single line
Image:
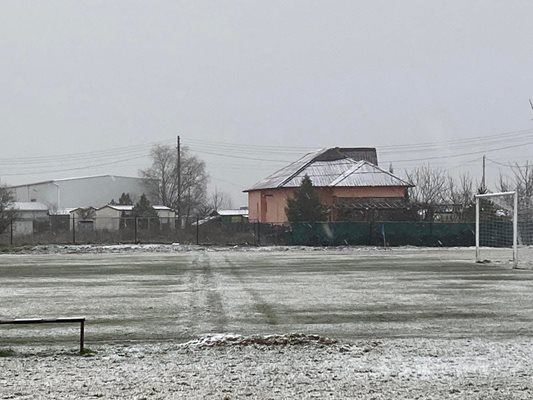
{"points": [[461, 196], [219, 200], [7, 213], [522, 183], [429, 189], [164, 177]]}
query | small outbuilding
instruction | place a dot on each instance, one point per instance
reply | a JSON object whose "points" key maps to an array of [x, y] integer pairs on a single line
{"points": [[30, 217], [112, 217]]}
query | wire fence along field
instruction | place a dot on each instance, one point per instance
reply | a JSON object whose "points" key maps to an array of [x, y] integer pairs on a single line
{"points": [[154, 230]]}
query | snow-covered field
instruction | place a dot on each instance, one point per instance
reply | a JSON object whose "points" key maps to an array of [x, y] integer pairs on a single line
{"points": [[164, 322]]}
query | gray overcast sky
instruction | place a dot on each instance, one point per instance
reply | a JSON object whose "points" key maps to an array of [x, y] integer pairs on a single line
{"points": [[246, 83]]}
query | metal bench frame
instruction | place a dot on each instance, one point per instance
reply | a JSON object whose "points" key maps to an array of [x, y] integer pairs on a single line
{"points": [[61, 320]]}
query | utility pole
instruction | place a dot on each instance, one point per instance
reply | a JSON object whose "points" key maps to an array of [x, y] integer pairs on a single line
{"points": [[483, 187], [178, 149]]}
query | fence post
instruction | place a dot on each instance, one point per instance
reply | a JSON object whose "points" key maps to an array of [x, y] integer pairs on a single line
{"points": [[82, 334], [73, 229], [136, 220], [11, 232], [197, 230], [258, 233]]}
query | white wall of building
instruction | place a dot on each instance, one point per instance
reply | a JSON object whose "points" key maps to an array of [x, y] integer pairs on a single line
{"points": [[95, 191]]}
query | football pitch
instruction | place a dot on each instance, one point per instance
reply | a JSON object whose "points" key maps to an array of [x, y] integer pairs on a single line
{"points": [[346, 294]]}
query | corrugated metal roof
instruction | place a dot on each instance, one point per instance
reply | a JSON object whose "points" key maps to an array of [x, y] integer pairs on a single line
{"points": [[118, 207], [77, 178], [322, 173], [232, 212], [28, 206], [340, 172], [162, 208], [367, 174], [64, 211], [278, 178]]}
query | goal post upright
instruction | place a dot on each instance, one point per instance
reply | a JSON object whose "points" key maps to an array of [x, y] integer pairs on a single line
{"points": [[515, 221], [477, 229], [515, 229]]}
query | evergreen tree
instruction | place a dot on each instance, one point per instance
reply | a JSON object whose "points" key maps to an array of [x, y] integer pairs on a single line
{"points": [[144, 209], [145, 214], [305, 206], [125, 200], [6, 210]]}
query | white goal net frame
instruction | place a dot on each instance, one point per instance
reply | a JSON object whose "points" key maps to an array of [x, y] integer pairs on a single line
{"points": [[514, 214]]}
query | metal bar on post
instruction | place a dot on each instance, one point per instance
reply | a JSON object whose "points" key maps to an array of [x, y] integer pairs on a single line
{"points": [[11, 232]]}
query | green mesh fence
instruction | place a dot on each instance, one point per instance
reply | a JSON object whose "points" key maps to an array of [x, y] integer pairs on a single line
{"points": [[382, 233]]}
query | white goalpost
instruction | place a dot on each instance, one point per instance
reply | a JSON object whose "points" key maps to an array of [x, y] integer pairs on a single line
{"points": [[497, 227]]}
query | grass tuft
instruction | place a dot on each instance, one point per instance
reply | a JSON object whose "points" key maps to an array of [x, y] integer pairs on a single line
{"points": [[7, 352], [86, 352]]}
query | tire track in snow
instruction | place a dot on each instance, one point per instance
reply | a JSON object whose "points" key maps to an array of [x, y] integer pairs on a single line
{"points": [[261, 306], [205, 310], [215, 313], [193, 301]]}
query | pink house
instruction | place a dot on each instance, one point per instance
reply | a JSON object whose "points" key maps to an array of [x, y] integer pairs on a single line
{"points": [[345, 179]]}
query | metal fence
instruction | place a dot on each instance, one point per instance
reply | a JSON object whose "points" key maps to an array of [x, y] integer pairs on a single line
{"points": [[154, 230], [124, 230]]}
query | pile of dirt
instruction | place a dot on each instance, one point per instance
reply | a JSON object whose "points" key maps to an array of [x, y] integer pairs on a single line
{"points": [[268, 340]]}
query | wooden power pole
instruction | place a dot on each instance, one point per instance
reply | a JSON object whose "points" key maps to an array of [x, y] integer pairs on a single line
{"points": [[178, 149]]}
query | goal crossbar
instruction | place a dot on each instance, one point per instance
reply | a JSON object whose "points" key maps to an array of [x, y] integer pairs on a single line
{"points": [[515, 221]]}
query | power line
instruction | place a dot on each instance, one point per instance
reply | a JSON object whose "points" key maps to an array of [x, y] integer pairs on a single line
{"points": [[510, 165], [71, 169]]}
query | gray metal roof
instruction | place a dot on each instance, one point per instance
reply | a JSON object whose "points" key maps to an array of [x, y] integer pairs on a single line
{"points": [[328, 169], [77, 178], [28, 206]]}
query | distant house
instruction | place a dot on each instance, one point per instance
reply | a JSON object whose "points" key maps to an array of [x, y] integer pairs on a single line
{"points": [[225, 217], [94, 191], [233, 216], [30, 217], [114, 217], [348, 182], [83, 219], [167, 217]]}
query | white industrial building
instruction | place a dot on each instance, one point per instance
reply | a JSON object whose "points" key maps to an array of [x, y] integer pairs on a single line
{"points": [[94, 191]]}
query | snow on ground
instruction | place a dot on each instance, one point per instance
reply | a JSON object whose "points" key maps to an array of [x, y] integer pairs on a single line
{"points": [[377, 369], [172, 321]]}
